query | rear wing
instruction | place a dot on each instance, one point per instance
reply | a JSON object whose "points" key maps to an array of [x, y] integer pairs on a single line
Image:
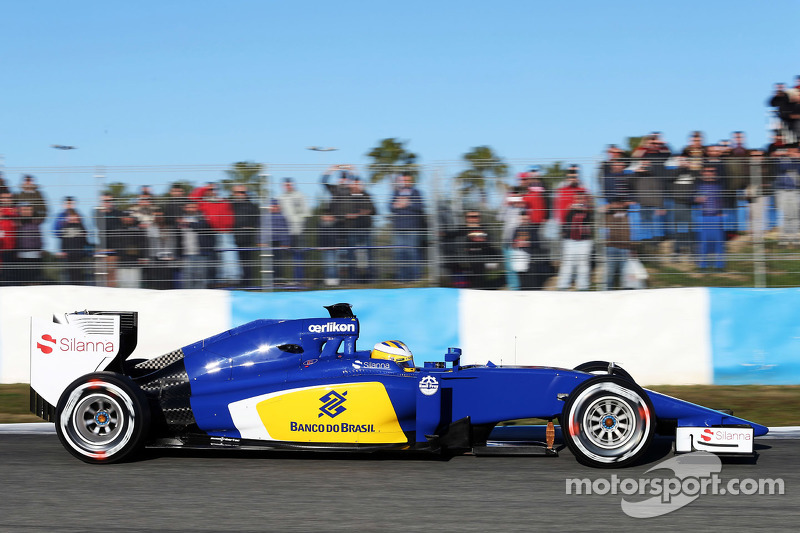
{"points": [[73, 345]]}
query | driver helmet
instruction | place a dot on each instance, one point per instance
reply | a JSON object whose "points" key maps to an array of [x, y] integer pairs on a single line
{"points": [[395, 351]]}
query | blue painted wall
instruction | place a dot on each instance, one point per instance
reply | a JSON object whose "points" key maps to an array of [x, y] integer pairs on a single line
{"points": [[755, 336]]}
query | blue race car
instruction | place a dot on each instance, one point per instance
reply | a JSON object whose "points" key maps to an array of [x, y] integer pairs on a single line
{"points": [[304, 385]]}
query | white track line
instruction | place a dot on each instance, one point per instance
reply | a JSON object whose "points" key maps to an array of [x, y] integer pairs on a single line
{"points": [[28, 429]]}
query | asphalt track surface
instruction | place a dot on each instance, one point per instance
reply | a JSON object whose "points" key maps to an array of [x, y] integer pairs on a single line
{"points": [[44, 488]]}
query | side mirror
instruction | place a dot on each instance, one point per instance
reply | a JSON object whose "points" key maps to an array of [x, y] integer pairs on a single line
{"points": [[453, 355]]}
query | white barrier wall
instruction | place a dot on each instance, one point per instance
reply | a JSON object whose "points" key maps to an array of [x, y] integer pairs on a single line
{"points": [[167, 319], [659, 336]]}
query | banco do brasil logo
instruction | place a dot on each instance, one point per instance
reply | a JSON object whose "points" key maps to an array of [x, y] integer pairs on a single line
{"points": [[333, 404]]}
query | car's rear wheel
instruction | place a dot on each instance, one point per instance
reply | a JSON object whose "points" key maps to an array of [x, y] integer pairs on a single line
{"points": [[102, 418], [608, 422]]}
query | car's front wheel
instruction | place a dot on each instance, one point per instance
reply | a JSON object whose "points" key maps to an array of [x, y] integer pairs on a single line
{"points": [[602, 367], [102, 418], [608, 422]]}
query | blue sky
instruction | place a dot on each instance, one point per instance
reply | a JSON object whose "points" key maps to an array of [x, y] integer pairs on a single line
{"points": [[190, 82]]}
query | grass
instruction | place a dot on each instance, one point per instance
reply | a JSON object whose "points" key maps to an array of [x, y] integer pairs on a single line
{"points": [[15, 404], [770, 405], [781, 266]]}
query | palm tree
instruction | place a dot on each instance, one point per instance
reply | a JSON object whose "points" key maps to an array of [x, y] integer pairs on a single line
{"points": [[553, 174], [390, 158], [484, 164], [244, 173], [118, 191]]}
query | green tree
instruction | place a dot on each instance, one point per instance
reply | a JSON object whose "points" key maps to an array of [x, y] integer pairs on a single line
{"points": [[633, 144], [119, 192], [553, 174], [244, 173], [390, 158], [186, 186], [484, 165]]}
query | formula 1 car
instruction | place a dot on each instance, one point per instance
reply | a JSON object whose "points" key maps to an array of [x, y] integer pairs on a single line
{"points": [[303, 385]]}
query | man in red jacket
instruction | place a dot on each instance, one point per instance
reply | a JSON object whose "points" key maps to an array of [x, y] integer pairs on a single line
{"points": [[566, 194], [218, 212], [8, 242], [535, 197]]}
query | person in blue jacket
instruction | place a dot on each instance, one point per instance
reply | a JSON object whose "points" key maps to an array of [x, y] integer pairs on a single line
{"points": [[711, 232], [409, 224]]}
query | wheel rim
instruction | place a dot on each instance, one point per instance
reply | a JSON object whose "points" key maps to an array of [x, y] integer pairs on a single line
{"points": [[97, 419], [609, 423]]}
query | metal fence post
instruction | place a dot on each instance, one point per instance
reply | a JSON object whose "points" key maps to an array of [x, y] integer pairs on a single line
{"points": [[433, 232], [758, 227], [265, 238], [99, 258]]}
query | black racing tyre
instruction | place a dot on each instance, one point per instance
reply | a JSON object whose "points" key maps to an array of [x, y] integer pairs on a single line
{"points": [[608, 422], [102, 418], [602, 366]]}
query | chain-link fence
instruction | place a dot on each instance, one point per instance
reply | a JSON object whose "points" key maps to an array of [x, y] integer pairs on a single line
{"points": [[621, 223]]}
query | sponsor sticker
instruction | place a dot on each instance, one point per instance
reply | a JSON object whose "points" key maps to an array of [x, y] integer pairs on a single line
{"points": [[47, 343], [332, 327], [348, 413], [332, 404], [428, 385], [714, 439], [381, 365]]}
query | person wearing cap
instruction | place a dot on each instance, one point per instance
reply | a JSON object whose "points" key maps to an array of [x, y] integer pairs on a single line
{"points": [[296, 211], [534, 196], [61, 219], [29, 192], [565, 195], [564, 198]]}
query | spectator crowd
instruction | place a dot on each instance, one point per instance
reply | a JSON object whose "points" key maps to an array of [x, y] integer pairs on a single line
{"points": [[650, 203]]}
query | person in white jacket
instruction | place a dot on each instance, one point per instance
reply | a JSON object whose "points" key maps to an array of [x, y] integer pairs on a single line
{"points": [[294, 208]]}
